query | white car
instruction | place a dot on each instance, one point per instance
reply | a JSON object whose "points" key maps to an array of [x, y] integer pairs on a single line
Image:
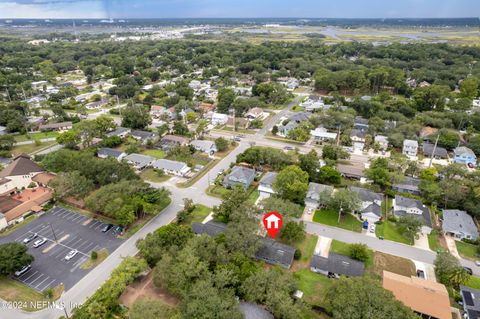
{"points": [[39, 242], [372, 228], [310, 211], [477, 262], [71, 254], [30, 238], [23, 270]]}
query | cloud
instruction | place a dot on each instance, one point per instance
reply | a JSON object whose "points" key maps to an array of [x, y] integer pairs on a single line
{"points": [[59, 9]]}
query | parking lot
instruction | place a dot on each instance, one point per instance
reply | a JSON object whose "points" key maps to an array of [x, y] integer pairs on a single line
{"points": [[64, 231]]}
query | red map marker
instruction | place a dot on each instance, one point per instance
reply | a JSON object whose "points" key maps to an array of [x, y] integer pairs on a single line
{"points": [[272, 222]]}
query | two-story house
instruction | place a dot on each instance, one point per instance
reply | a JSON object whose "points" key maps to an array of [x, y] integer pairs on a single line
{"points": [[371, 204], [405, 206], [410, 148]]}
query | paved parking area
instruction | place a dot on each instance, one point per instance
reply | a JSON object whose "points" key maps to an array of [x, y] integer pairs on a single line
{"points": [[64, 230]]}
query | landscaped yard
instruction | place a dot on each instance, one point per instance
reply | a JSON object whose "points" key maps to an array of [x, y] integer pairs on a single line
{"points": [[151, 175], [253, 196], [11, 290], [434, 242], [158, 154], [473, 282], [35, 136], [467, 251], [388, 230], [101, 256], [395, 264], [330, 217], [307, 247], [198, 214], [218, 191], [313, 286], [342, 248], [31, 148]]}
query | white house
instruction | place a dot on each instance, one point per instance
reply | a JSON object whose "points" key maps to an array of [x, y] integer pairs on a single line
{"points": [[382, 141], [405, 206], [18, 174], [410, 148], [320, 134], [204, 146], [265, 186], [371, 204], [139, 161], [172, 167], [219, 119], [254, 113]]}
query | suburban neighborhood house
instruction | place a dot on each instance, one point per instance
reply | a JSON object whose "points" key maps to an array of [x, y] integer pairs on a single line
{"points": [[171, 141], [143, 136], [320, 134], [464, 155], [403, 206], [459, 225], [371, 204], [60, 127], [139, 161], [312, 199], [265, 186], [204, 146], [121, 132], [410, 148], [254, 113], [471, 302], [239, 176], [18, 174], [105, 152], [211, 228], [171, 167], [427, 298], [275, 253], [336, 265]]}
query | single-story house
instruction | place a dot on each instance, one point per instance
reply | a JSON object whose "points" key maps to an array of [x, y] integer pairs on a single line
{"points": [[312, 199], [351, 171], [408, 185], [240, 122], [60, 127], [96, 104], [156, 111], [144, 136], [171, 141], [470, 304], [428, 150], [110, 152], [337, 265], [211, 228], [382, 141], [371, 204], [121, 132], [404, 206], [275, 253], [464, 155], [254, 113], [428, 298], [239, 176], [410, 148], [265, 186], [219, 119], [300, 117], [283, 130], [360, 123], [205, 146], [459, 224], [321, 134], [358, 139], [171, 167], [139, 161]]}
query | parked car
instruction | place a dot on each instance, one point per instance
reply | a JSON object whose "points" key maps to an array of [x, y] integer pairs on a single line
{"points": [[106, 228], [288, 148], [477, 262], [23, 270], [310, 211], [469, 270], [39, 242], [420, 274], [71, 254], [30, 238], [372, 228], [220, 172], [237, 139]]}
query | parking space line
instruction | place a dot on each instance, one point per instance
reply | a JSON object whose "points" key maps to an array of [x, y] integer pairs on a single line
{"points": [[21, 279], [42, 282], [78, 247], [48, 285], [78, 263], [69, 241], [76, 218], [100, 226], [62, 252], [93, 224], [86, 248], [70, 216], [76, 243], [31, 282]]}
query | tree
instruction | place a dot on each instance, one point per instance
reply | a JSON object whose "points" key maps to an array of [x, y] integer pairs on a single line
{"points": [[334, 153], [363, 297], [162, 129], [310, 163], [230, 202], [6, 142], [329, 175], [180, 128], [13, 256], [291, 184], [409, 226], [70, 139], [71, 184], [431, 97], [201, 127], [282, 206], [379, 172], [469, 87], [136, 117], [225, 100], [221, 144], [274, 130], [343, 199], [449, 271], [191, 117], [358, 252], [150, 309], [292, 232]]}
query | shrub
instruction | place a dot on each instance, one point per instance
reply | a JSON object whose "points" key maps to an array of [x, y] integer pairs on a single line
{"points": [[392, 219], [48, 293], [298, 254], [359, 252], [94, 255]]}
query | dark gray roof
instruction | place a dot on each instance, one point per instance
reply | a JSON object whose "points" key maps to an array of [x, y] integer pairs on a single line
{"points": [[410, 203], [21, 165], [119, 131], [458, 221], [253, 311], [373, 208], [366, 195], [143, 134], [275, 253], [338, 264], [240, 173], [439, 151], [109, 152], [211, 228], [360, 123], [463, 150], [358, 133], [409, 184], [471, 301], [269, 178], [300, 117]]}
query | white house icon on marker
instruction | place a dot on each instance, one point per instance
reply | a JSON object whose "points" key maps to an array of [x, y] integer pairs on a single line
{"points": [[272, 219]]}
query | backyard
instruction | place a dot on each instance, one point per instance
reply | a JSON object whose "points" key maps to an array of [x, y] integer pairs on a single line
{"points": [[198, 215], [151, 175], [158, 154], [330, 217]]}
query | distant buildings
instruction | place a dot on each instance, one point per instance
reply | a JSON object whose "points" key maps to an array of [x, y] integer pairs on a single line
{"points": [[59, 127]]}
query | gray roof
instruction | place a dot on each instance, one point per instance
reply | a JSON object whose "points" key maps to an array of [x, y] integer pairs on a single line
{"points": [[463, 150], [373, 208], [411, 143], [269, 178], [409, 203], [300, 117], [254, 311], [211, 228], [409, 184], [360, 123], [143, 134], [315, 189], [139, 158], [351, 170], [119, 130], [240, 173], [471, 301], [275, 253], [458, 221], [338, 264], [366, 195], [439, 151], [358, 133], [109, 152], [203, 144], [168, 165]]}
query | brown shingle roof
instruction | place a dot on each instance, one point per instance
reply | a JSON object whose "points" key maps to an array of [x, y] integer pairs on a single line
{"points": [[423, 296], [7, 203], [43, 178], [21, 165]]}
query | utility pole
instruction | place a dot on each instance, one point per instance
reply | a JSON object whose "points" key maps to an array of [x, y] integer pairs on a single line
{"points": [[433, 151], [53, 231], [234, 123], [340, 213]]}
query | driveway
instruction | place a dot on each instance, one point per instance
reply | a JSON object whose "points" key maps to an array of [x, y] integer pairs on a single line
{"points": [[452, 246], [427, 269], [323, 246], [306, 216], [422, 242]]}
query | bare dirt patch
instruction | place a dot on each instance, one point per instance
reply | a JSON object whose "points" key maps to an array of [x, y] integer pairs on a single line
{"points": [[145, 289], [395, 264]]}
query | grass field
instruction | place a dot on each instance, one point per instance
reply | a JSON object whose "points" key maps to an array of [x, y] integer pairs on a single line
{"points": [[313, 286], [433, 241], [342, 248], [34, 136], [102, 255], [158, 154], [31, 148], [306, 246], [330, 217], [389, 231], [198, 214], [467, 251], [11, 290], [395, 264], [152, 176], [253, 196], [473, 282]]}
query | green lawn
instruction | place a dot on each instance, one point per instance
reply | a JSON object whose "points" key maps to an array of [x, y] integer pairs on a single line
{"points": [[307, 247], [152, 176], [467, 251], [11, 290], [389, 231], [34, 136], [31, 148], [342, 248], [253, 196], [158, 154], [473, 282], [218, 191], [313, 286], [16, 227], [433, 241], [198, 214], [330, 217]]}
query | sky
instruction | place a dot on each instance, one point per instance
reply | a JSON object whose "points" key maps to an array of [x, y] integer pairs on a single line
{"points": [[43, 9]]}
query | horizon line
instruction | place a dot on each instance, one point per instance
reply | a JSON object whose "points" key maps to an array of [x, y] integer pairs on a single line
{"points": [[316, 18]]}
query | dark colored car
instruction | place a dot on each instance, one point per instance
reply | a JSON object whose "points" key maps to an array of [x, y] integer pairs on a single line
{"points": [[106, 228], [469, 270], [420, 274]]}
